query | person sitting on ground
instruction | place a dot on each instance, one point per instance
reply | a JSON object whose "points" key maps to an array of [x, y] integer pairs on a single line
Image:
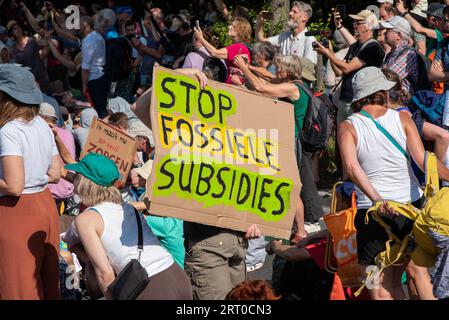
{"points": [[107, 231]]}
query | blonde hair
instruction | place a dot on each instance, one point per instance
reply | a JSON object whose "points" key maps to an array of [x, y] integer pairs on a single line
{"points": [[243, 29], [92, 194], [12, 109], [290, 64]]}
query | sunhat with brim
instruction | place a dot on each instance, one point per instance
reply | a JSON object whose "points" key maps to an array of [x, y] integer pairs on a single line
{"points": [[308, 69], [369, 80], [97, 168], [19, 83]]}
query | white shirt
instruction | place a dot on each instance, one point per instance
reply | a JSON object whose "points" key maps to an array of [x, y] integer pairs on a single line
{"points": [[94, 55], [120, 238], [35, 143], [385, 166], [298, 46]]}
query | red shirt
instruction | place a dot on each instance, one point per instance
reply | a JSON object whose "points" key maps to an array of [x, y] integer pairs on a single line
{"points": [[234, 50]]}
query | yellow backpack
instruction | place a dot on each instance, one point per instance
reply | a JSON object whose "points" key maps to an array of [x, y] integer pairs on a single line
{"points": [[433, 216]]}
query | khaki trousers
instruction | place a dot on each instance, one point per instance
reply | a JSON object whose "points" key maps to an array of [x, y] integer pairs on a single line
{"points": [[216, 265]]}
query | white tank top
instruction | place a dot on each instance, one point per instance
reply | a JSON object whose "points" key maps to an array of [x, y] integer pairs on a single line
{"points": [[119, 239], [386, 167]]}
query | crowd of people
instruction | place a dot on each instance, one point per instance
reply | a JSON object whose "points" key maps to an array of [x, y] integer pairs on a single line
{"points": [[54, 80]]}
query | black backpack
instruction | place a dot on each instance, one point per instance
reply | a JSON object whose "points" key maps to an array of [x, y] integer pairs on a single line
{"points": [[118, 58], [318, 122]]}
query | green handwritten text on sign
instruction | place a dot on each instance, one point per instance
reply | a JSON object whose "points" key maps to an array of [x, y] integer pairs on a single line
{"points": [[180, 95], [213, 184]]}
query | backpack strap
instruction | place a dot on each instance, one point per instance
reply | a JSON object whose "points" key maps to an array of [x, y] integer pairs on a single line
{"points": [[386, 134], [202, 54]]}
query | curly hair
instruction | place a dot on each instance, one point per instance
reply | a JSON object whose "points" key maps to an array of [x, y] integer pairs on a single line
{"points": [[377, 98], [252, 290], [243, 29]]}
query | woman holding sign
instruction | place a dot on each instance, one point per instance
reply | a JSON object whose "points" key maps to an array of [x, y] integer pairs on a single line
{"points": [[288, 85], [29, 225]]}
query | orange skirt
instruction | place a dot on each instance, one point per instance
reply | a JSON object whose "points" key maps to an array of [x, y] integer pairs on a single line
{"points": [[29, 247]]}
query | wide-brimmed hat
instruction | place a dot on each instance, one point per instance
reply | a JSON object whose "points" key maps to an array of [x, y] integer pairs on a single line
{"points": [[369, 80], [19, 83], [97, 168], [308, 69]]}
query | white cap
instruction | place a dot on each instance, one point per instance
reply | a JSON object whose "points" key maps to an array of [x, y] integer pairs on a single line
{"points": [[385, 1], [399, 24], [47, 110], [369, 80]]}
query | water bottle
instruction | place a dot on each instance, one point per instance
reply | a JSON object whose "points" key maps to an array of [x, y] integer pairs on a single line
{"points": [[445, 120]]}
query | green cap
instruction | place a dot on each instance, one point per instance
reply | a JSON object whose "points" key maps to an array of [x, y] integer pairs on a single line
{"points": [[97, 168]]}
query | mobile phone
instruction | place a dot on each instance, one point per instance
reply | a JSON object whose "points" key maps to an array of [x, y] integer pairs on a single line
{"points": [[268, 15], [197, 24], [341, 9]]}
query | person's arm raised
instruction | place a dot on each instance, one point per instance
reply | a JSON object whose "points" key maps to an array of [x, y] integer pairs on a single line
{"points": [[214, 52], [345, 67], [282, 90], [349, 38]]}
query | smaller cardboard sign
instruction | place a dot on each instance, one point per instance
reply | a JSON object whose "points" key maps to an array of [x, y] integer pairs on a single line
{"points": [[106, 140]]}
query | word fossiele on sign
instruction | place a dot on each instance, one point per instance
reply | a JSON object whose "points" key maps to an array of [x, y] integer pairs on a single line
{"points": [[114, 144], [215, 162]]}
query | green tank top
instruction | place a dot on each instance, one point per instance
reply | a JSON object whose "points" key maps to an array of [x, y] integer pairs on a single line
{"points": [[300, 109]]}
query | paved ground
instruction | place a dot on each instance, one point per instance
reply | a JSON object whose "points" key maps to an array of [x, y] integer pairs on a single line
{"points": [[265, 272]]}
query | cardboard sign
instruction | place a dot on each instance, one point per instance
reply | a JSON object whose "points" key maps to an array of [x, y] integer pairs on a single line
{"points": [[112, 143], [224, 156]]}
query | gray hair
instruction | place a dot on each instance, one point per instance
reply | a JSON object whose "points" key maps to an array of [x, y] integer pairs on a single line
{"points": [[265, 49], [291, 65], [304, 7]]}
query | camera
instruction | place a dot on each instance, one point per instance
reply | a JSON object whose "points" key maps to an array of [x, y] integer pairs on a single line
{"points": [[267, 15], [324, 42]]}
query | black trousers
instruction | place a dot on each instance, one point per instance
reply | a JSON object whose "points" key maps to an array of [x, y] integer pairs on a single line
{"points": [[313, 206], [98, 90]]}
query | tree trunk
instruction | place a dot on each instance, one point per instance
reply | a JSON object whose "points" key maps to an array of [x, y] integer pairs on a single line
{"points": [[280, 9]]}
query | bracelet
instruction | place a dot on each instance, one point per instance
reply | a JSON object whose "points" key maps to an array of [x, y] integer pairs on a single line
{"points": [[404, 14], [340, 28]]}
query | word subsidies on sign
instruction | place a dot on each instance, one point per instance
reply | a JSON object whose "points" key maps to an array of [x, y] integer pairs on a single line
{"points": [[224, 156]]}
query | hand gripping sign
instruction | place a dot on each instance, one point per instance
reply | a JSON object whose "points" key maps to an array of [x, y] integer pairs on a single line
{"points": [[224, 156]]}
